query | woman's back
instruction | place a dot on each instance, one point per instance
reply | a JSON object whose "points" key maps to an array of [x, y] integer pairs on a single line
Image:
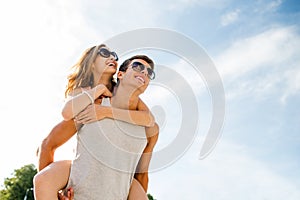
{"points": [[107, 154]]}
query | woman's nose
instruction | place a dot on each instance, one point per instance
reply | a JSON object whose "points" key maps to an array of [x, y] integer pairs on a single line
{"points": [[111, 57]]}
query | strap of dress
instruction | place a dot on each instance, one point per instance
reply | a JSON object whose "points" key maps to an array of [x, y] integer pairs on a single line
{"points": [[105, 101]]}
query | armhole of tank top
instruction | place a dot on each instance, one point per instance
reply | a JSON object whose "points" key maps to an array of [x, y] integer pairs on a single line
{"points": [[105, 101]]}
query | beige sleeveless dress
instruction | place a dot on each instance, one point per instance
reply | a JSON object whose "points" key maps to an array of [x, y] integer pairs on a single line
{"points": [[107, 154]]}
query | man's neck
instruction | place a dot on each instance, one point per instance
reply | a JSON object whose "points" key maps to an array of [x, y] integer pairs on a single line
{"points": [[125, 99]]}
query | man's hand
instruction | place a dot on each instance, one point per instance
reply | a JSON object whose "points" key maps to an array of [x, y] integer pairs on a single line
{"points": [[66, 195]]}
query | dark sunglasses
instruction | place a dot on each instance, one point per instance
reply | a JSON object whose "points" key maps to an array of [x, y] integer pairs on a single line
{"points": [[106, 53], [137, 66]]}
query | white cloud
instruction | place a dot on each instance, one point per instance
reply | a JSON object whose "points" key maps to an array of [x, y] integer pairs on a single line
{"points": [[111, 17], [230, 17], [270, 6], [259, 64], [292, 80], [274, 5], [132, 14], [281, 84], [230, 172], [183, 5], [263, 50]]}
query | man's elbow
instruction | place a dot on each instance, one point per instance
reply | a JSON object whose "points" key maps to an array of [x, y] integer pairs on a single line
{"points": [[45, 152], [47, 146], [151, 121]]}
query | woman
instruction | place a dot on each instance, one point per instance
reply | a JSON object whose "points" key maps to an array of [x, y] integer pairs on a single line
{"points": [[96, 67]]}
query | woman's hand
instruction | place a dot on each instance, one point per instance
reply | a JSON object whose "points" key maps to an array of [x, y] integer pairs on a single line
{"points": [[102, 90], [92, 113]]}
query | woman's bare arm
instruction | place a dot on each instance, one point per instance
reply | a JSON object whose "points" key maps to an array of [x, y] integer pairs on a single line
{"points": [[142, 116], [80, 99]]}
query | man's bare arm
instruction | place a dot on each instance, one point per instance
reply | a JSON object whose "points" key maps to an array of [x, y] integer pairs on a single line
{"points": [[60, 134], [141, 174]]}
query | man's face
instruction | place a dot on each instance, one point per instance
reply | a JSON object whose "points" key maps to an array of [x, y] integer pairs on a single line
{"points": [[137, 74]]}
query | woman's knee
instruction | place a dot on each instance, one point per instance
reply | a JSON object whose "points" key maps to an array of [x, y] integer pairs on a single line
{"points": [[41, 179], [54, 176]]}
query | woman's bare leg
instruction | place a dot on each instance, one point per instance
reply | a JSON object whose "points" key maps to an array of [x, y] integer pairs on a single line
{"points": [[136, 191], [55, 177], [51, 179]]}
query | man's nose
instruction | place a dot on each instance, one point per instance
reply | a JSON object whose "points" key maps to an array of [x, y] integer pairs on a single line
{"points": [[145, 71]]}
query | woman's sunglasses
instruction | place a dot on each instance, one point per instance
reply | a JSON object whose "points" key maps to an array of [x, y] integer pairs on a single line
{"points": [[137, 66], [106, 53]]}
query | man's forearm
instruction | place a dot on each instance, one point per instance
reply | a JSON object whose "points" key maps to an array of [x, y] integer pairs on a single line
{"points": [[60, 134], [142, 169], [45, 155], [143, 179]]}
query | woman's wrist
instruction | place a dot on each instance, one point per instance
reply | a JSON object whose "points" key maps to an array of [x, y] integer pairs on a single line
{"points": [[98, 90], [108, 112], [104, 112], [89, 96]]}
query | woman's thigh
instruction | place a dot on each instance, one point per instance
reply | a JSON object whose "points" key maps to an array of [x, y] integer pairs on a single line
{"points": [[55, 175], [137, 191]]}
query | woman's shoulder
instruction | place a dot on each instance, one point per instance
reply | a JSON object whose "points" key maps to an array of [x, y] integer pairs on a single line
{"points": [[77, 91]]}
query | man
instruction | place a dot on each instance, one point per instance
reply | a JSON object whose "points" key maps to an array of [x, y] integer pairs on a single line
{"points": [[55, 139]]}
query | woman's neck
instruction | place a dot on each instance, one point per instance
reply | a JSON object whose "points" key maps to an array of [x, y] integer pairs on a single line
{"points": [[105, 80]]}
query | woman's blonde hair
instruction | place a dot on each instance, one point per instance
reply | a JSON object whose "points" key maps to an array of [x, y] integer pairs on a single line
{"points": [[82, 75]]}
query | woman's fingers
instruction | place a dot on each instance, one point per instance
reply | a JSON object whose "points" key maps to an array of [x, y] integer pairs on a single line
{"points": [[86, 116]]}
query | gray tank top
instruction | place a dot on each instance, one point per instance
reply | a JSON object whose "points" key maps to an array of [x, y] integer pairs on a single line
{"points": [[107, 154]]}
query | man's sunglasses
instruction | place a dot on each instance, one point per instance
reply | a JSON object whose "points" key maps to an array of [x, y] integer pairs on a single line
{"points": [[106, 53], [137, 66]]}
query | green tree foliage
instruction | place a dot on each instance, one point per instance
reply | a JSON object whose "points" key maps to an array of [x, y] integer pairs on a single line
{"points": [[15, 188], [20, 184], [150, 197]]}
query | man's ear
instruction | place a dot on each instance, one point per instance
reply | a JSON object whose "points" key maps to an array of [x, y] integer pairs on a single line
{"points": [[120, 75]]}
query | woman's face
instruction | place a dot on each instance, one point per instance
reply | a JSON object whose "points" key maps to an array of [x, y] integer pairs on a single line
{"points": [[105, 63]]}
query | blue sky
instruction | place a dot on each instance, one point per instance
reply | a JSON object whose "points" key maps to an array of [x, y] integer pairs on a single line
{"points": [[255, 46]]}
